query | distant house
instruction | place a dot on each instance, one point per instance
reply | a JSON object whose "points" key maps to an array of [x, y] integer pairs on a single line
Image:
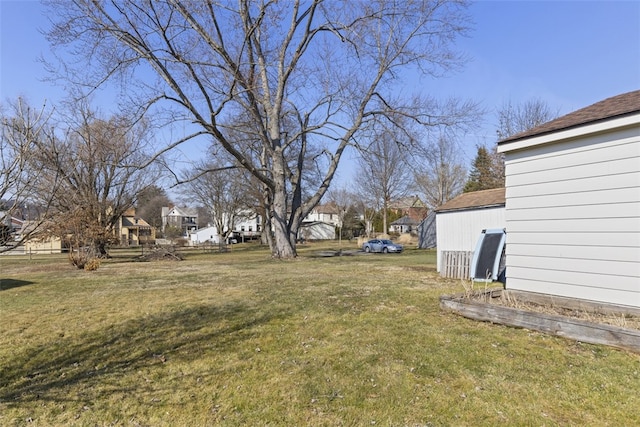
{"points": [[573, 204], [317, 230], [248, 227], [183, 218], [328, 213], [413, 211], [133, 230], [459, 223], [9, 226], [404, 204], [38, 239], [205, 235], [409, 222]]}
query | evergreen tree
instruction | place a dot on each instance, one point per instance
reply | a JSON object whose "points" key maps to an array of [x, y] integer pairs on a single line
{"points": [[483, 175]]}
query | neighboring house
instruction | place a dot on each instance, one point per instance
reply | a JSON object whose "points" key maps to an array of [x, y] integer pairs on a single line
{"points": [[48, 245], [133, 230], [205, 235], [404, 204], [185, 219], [317, 230], [328, 213], [413, 211], [459, 223], [403, 225], [40, 240], [248, 227], [573, 204], [10, 226], [409, 222]]}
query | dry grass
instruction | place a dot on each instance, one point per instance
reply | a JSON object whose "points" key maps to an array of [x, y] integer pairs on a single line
{"points": [[621, 320], [239, 339]]}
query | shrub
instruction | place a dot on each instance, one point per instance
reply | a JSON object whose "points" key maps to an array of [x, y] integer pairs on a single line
{"points": [[82, 259], [92, 264]]}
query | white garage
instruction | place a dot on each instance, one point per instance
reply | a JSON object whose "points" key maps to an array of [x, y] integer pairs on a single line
{"points": [[573, 204]]}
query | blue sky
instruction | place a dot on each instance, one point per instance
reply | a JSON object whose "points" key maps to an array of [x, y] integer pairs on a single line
{"points": [[569, 54]]}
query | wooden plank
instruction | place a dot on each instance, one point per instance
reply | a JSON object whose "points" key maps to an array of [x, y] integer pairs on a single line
{"points": [[566, 327], [582, 198], [569, 225], [576, 251], [611, 267], [456, 264], [606, 241], [572, 303], [590, 281], [597, 210], [575, 172], [620, 149], [619, 180], [585, 142]]}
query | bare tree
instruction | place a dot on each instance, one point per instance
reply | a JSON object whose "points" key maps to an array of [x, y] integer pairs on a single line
{"points": [[516, 118], [219, 190], [306, 73], [439, 173], [97, 163], [383, 173], [149, 205], [22, 129], [513, 119]]}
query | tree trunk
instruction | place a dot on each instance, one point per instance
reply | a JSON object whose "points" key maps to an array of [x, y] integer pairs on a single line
{"points": [[284, 245]]}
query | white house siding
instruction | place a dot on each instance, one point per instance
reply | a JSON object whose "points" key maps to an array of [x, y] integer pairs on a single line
{"points": [[573, 217], [208, 234], [459, 230]]}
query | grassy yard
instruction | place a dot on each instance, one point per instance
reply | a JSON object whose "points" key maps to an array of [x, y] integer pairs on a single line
{"points": [[239, 339]]}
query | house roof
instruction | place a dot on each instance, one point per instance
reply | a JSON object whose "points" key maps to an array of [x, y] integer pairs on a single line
{"points": [[616, 106], [131, 222], [327, 208], [407, 203], [181, 211], [475, 200], [405, 220]]}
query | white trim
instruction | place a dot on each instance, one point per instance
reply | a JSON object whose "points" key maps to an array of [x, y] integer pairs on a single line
{"points": [[576, 132]]}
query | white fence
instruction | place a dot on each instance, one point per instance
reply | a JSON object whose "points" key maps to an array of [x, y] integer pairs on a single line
{"points": [[456, 264]]}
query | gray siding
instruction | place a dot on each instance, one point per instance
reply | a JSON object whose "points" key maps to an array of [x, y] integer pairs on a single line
{"points": [[573, 218]]}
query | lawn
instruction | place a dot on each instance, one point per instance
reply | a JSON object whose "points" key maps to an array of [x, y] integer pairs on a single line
{"points": [[240, 339]]}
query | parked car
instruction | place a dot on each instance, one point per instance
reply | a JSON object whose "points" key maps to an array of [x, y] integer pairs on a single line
{"points": [[382, 245]]}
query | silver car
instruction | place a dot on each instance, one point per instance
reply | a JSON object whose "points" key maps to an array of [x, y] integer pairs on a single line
{"points": [[382, 245]]}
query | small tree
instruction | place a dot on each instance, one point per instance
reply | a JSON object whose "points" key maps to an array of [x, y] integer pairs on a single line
{"points": [[98, 164], [22, 129], [438, 173], [149, 205], [218, 189], [383, 173]]}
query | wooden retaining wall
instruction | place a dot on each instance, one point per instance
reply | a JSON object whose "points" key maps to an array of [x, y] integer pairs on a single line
{"points": [[472, 307], [456, 264]]}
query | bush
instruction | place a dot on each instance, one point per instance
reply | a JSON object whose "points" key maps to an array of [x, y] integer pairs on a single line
{"points": [[83, 260], [92, 264]]}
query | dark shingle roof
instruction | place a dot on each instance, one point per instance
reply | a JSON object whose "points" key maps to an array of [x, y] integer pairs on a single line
{"points": [[477, 199], [620, 105]]}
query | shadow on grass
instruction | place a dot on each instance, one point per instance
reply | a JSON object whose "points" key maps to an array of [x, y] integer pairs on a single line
{"points": [[89, 360], [13, 283]]}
